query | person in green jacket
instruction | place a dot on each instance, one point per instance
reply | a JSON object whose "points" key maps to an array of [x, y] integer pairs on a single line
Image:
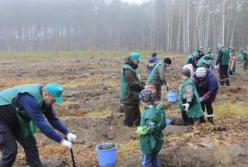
{"points": [[157, 77], [223, 64], [207, 60], [130, 88], [244, 59], [189, 102], [24, 108], [153, 122]]}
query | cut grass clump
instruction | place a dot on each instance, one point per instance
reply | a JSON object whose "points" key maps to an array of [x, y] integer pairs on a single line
{"points": [[230, 109]]}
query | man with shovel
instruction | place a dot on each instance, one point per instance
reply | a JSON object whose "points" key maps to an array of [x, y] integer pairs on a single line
{"points": [[24, 108]]}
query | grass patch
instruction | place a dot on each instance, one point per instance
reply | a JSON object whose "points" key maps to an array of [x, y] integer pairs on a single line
{"points": [[230, 109], [86, 53], [100, 114], [124, 150]]}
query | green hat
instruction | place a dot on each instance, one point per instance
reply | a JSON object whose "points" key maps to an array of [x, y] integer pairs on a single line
{"points": [[134, 56], [55, 90]]}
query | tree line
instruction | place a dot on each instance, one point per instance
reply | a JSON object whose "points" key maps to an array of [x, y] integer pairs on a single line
{"points": [[170, 25]]}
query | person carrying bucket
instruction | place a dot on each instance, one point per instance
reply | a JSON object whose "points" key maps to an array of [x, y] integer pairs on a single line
{"points": [[157, 77], [24, 108], [189, 102], [130, 89], [207, 87], [151, 129]]}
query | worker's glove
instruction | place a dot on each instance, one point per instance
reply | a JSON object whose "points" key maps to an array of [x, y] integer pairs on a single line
{"points": [[216, 66], [71, 137], [186, 106], [201, 99], [66, 143], [142, 130]]}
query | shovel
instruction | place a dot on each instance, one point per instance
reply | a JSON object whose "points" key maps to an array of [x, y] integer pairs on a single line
{"points": [[72, 158]]}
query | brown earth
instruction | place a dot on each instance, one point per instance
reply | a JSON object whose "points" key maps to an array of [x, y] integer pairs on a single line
{"points": [[91, 110]]}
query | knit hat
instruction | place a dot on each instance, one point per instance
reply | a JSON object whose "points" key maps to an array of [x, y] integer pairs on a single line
{"points": [[147, 96], [186, 71], [167, 60], [201, 72]]}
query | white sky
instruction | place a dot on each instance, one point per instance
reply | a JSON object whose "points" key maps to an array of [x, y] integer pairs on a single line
{"points": [[134, 1]]}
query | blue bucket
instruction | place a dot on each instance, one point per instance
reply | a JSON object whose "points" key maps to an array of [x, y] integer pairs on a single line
{"points": [[168, 122], [171, 97], [106, 158]]}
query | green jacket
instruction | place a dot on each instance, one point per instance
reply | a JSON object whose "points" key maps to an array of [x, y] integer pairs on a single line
{"points": [[187, 91], [153, 140], [7, 97], [124, 89], [157, 76], [225, 58]]}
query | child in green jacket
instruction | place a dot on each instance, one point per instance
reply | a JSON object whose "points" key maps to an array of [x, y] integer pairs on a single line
{"points": [[189, 102], [151, 129]]}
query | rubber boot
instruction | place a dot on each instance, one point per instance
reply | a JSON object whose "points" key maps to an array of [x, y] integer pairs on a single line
{"points": [[227, 82], [202, 120], [211, 120]]}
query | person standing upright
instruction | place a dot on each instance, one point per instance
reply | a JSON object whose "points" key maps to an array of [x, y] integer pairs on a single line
{"points": [[130, 89], [223, 64]]}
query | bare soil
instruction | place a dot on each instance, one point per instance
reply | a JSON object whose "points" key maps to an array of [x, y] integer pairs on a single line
{"points": [[91, 110]]}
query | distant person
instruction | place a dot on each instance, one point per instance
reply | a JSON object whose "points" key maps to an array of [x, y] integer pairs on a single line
{"points": [[201, 53], [207, 60], [157, 78], [189, 102], [233, 61], [244, 59], [151, 129], [223, 64], [207, 87], [192, 59], [130, 89], [152, 60], [22, 110]]}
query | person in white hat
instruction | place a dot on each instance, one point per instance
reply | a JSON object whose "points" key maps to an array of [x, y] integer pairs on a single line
{"points": [[207, 87]]}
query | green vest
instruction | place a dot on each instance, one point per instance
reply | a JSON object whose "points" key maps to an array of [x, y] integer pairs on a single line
{"points": [[195, 111], [8, 95], [154, 76], [225, 56], [152, 142], [123, 89]]}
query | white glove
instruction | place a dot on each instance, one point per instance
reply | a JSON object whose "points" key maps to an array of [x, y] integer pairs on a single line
{"points": [[216, 66], [71, 137], [186, 106], [66, 143]]}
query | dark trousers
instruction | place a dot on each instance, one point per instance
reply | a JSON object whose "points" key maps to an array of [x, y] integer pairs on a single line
{"points": [[8, 146], [132, 114], [209, 108], [151, 160], [223, 74], [186, 119], [245, 64]]}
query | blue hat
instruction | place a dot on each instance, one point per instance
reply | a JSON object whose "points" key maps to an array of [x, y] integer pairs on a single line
{"points": [[134, 56], [55, 90]]}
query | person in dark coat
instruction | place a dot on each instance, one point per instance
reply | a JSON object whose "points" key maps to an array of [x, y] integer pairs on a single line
{"points": [[207, 87], [130, 89]]}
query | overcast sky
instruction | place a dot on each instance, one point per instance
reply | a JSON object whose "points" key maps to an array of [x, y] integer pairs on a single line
{"points": [[134, 1]]}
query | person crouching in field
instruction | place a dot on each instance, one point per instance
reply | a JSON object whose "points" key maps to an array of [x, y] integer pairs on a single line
{"points": [[189, 102], [151, 129]]}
